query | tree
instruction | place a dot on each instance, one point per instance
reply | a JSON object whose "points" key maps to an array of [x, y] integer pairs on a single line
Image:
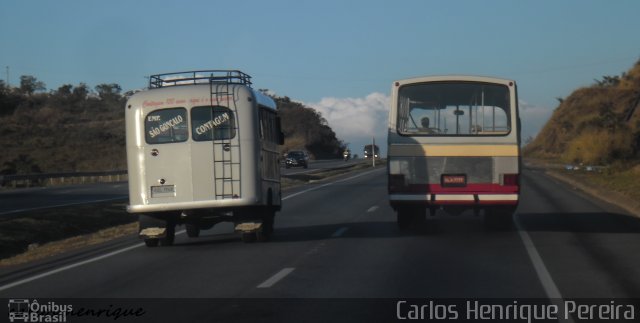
{"points": [[29, 84], [108, 91], [307, 124], [64, 90], [81, 91], [23, 164]]}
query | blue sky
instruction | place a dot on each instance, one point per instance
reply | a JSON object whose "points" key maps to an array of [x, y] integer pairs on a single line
{"points": [[337, 56]]}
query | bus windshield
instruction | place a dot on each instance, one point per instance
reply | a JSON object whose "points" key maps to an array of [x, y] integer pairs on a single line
{"points": [[454, 109]]}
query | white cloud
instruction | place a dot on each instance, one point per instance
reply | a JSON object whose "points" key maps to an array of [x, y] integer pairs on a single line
{"points": [[356, 120], [533, 118]]}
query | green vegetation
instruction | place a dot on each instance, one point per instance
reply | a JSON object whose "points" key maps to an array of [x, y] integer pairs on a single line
{"points": [[596, 125], [305, 128], [79, 128], [19, 231], [73, 128]]}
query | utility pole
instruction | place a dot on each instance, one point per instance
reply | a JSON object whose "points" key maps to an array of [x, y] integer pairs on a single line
{"points": [[373, 150], [8, 76]]}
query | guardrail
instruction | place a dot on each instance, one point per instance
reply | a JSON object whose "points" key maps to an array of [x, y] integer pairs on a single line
{"points": [[46, 179]]}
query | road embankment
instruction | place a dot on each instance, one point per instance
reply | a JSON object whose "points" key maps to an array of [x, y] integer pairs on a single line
{"points": [[621, 188]]}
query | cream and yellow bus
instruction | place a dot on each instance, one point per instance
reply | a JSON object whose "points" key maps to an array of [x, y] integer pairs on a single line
{"points": [[202, 148], [454, 144]]}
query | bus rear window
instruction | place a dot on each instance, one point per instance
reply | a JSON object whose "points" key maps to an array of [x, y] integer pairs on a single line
{"points": [[212, 122], [166, 126], [454, 109]]}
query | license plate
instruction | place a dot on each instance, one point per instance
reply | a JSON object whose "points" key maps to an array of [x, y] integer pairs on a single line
{"points": [[457, 180], [163, 191]]}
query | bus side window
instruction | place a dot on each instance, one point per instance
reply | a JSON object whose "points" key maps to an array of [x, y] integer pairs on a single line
{"points": [[270, 126]]}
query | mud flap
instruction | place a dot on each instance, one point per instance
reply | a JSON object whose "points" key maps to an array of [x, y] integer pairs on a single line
{"points": [[153, 233], [248, 227]]}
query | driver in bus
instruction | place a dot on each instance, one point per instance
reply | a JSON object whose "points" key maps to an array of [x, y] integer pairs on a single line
{"points": [[425, 125]]}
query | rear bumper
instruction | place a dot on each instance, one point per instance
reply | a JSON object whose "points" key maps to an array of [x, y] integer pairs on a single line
{"points": [[181, 206], [480, 199]]}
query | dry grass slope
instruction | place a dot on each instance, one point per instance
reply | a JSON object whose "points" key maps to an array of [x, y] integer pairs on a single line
{"points": [[599, 124]]}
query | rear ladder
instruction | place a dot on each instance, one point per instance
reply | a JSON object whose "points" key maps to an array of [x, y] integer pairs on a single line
{"points": [[226, 180]]}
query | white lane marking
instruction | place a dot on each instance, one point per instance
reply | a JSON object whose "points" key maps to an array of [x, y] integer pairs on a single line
{"points": [[373, 208], [61, 205], [49, 273], [276, 278], [550, 287], [340, 232], [77, 264], [327, 184]]}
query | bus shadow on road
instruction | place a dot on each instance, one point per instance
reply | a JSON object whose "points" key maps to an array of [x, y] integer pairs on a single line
{"points": [[438, 226], [580, 222]]}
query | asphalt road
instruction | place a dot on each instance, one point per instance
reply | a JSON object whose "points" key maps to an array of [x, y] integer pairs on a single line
{"points": [[28, 199], [338, 240]]}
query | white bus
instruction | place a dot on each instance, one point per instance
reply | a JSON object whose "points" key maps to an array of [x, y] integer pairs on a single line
{"points": [[202, 148], [454, 144]]}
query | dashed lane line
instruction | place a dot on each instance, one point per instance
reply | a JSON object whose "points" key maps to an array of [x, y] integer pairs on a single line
{"points": [[340, 232], [276, 278]]}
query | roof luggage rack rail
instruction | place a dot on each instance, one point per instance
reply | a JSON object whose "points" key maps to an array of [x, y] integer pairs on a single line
{"points": [[199, 77]]}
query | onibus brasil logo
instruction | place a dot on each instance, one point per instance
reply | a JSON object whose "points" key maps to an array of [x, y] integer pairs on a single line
{"points": [[25, 310]]}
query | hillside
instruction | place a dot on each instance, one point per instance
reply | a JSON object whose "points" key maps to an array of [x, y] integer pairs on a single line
{"points": [[597, 125], [77, 128]]}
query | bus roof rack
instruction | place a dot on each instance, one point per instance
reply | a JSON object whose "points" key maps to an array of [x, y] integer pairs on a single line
{"points": [[199, 77]]}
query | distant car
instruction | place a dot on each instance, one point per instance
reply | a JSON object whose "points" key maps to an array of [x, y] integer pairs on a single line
{"points": [[297, 158]]}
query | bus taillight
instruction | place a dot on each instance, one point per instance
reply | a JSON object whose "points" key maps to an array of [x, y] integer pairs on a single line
{"points": [[510, 179]]}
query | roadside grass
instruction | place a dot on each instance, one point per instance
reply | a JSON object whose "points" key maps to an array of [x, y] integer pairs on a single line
{"points": [[34, 235], [625, 182], [618, 185], [33, 232]]}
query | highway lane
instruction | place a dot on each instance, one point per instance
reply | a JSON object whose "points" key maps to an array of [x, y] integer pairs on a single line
{"points": [[315, 165], [20, 200], [339, 240], [26, 199]]}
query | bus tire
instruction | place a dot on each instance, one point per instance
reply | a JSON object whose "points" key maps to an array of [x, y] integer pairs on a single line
{"points": [[193, 231], [249, 237], [405, 218], [265, 232], [170, 235], [151, 243]]}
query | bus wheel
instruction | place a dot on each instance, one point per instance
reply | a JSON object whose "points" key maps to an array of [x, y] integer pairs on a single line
{"points": [[265, 232], [411, 215], [170, 235], [405, 217], [193, 231], [248, 237], [150, 229], [498, 218], [151, 242]]}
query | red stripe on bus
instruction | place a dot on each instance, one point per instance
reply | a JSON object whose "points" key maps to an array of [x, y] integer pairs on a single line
{"points": [[469, 189]]}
